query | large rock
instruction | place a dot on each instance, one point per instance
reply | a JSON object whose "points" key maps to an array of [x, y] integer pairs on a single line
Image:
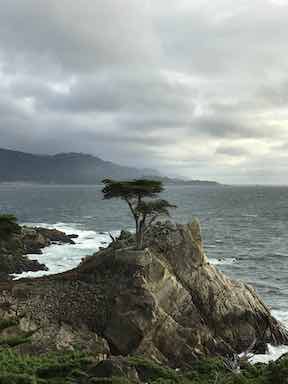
{"points": [[54, 235], [13, 259], [23, 241], [33, 241], [174, 307]]}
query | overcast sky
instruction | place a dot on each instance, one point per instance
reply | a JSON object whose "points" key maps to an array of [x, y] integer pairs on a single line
{"points": [[190, 87]]}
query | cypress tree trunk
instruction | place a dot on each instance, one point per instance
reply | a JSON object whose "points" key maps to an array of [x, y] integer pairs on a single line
{"points": [[141, 243], [138, 240], [138, 235], [141, 233]]}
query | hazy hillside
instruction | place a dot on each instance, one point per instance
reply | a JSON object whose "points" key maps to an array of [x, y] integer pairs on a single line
{"points": [[177, 181], [64, 168], [73, 168]]}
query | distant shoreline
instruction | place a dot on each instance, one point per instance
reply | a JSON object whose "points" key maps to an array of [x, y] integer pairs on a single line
{"points": [[183, 183], [210, 184], [75, 169]]}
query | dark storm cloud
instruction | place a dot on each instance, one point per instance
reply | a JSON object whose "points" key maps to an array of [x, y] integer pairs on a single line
{"points": [[135, 91], [76, 36], [196, 88]]}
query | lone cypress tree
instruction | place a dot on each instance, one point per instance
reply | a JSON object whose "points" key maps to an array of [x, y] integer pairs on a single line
{"points": [[141, 197]]}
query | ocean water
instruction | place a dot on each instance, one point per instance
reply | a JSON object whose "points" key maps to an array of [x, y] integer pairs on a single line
{"points": [[245, 229]]}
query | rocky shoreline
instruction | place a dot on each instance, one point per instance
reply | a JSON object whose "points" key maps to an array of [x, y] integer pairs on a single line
{"points": [[167, 303], [23, 241]]}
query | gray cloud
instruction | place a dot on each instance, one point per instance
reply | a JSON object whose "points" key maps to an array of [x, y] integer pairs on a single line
{"points": [[232, 151], [197, 88]]}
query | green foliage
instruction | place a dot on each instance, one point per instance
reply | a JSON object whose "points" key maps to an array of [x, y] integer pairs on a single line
{"points": [[73, 367], [149, 370], [109, 380], [278, 371], [8, 225], [206, 370], [7, 323], [13, 341], [5, 217], [156, 207], [17, 379], [54, 368], [128, 189]]}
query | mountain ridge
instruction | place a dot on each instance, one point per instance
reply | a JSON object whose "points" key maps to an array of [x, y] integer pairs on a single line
{"points": [[72, 168]]}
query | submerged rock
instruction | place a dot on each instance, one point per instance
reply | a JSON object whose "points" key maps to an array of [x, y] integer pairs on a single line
{"points": [[167, 302]]}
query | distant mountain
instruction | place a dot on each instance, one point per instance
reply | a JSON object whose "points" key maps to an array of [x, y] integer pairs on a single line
{"points": [[63, 168], [73, 168], [177, 181]]}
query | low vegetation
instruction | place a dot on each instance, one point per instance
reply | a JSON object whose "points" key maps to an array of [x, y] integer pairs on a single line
{"points": [[74, 367], [8, 225]]}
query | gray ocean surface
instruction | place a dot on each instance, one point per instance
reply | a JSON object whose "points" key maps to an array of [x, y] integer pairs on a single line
{"points": [[244, 228]]}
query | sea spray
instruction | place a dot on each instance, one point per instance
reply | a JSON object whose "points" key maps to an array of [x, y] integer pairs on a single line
{"points": [[60, 258]]}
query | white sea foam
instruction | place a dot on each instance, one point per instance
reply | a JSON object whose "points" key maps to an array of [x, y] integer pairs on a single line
{"points": [[281, 316], [222, 261], [273, 352], [249, 215], [59, 258]]}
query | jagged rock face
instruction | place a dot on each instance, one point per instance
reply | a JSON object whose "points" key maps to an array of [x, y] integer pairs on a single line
{"points": [[175, 308], [26, 240], [13, 259]]}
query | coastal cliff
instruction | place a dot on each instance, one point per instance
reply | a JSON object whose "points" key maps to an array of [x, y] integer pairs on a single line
{"points": [[166, 302], [16, 242]]}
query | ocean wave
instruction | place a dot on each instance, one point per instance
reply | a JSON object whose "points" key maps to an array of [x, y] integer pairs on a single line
{"points": [[249, 215], [60, 258], [281, 316], [222, 261], [273, 352]]}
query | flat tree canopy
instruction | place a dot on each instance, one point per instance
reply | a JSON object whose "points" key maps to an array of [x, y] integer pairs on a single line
{"points": [[141, 197]]}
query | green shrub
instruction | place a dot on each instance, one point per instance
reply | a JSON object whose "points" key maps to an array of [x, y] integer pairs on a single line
{"points": [[277, 371], [73, 367], [17, 379], [13, 341], [54, 370], [149, 370], [6, 323], [109, 380], [8, 225]]}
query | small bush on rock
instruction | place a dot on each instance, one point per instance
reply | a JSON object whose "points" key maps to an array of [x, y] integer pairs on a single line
{"points": [[8, 225]]}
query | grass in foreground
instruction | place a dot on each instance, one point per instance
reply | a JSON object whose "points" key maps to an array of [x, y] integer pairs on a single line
{"points": [[73, 368]]}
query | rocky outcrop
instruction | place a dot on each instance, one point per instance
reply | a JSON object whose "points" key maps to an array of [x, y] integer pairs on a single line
{"points": [[55, 236], [167, 302], [34, 239], [13, 259], [23, 241]]}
